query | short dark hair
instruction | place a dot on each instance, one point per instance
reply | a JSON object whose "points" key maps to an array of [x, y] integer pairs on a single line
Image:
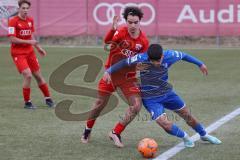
{"points": [[155, 52], [133, 11], [20, 2]]}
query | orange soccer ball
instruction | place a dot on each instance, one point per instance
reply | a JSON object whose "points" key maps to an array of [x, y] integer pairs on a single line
{"points": [[147, 147]]}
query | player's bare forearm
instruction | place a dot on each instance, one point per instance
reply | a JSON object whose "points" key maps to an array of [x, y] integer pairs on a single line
{"points": [[111, 33], [22, 41], [41, 51]]}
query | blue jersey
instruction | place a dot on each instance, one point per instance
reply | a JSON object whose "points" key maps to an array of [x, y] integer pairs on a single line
{"points": [[154, 80]]}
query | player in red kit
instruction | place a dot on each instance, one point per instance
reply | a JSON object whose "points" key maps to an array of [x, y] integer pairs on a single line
{"points": [[20, 32], [125, 42]]}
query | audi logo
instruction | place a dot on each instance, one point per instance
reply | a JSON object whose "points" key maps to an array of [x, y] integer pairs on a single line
{"points": [[128, 52], [110, 12], [25, 32]]}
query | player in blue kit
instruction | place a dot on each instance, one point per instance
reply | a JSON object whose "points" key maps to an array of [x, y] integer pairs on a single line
{"points": [[157, 94]]}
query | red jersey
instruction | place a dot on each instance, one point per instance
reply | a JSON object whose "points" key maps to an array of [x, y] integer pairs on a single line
{"points": [[21, 29], [124, 46]]}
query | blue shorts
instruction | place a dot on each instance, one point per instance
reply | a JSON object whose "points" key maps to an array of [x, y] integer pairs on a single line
{"points": [[155, 106]]}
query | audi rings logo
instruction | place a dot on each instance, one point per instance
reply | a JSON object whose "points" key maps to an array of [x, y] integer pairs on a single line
{"points": [[110, 12], [25, 32]]}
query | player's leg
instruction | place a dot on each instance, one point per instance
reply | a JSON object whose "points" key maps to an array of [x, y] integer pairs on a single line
{"points": [[132, 94], [156, 109], [175, 103], [27, 76], [23, 68], [98, 106], [192, 122], [35, 69], [43, 86], [104, 93], [130, 114]]}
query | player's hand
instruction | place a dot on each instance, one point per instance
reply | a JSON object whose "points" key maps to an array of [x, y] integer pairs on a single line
{"points": [[115, 22], [142, 67], [107, 78], [204, 69], [41, 51]]}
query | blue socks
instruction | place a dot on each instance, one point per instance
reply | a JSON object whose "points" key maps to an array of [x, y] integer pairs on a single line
{"points": [[176, 131], [200, 129]]}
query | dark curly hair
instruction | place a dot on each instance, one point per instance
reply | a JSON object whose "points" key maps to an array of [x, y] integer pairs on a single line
{"points": [[20, 2], [133, 11]]}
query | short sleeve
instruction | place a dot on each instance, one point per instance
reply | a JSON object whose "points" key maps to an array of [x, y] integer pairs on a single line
{"points": [[12, 27], [117, 36]]}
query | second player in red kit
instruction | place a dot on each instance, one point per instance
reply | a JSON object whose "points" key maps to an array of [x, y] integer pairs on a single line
{"points": [[20, 32]]}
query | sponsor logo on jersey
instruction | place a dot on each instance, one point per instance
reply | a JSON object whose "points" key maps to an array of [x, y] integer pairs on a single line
{"points": [[128, 53], [138, 47], [25, 32]]}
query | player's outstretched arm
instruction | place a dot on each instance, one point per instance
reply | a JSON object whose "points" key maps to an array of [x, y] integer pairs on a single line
{"points": [[118, 66], [127, 62], [114, 68], [123, 63], [194, 60]]}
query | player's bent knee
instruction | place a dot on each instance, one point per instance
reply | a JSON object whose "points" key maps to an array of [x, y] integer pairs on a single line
{"points": [[164, 122], [27, 74], [135, 109], [166, 126], [39, 78], [137, 106]]}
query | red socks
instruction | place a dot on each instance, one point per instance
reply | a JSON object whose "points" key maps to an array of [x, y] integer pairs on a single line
{"points": [[44, 89], [90, 123], [119, 128], [26, 94]]}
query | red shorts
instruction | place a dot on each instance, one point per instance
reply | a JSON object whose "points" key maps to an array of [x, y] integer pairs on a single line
{"points": [[128, 88], [23, 62]]}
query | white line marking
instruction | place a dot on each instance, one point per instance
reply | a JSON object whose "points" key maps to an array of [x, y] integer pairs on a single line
{"points": [[179, 147]]}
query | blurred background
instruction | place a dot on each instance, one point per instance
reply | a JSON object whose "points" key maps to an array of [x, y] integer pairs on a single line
{"points": [[174, 23]]}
